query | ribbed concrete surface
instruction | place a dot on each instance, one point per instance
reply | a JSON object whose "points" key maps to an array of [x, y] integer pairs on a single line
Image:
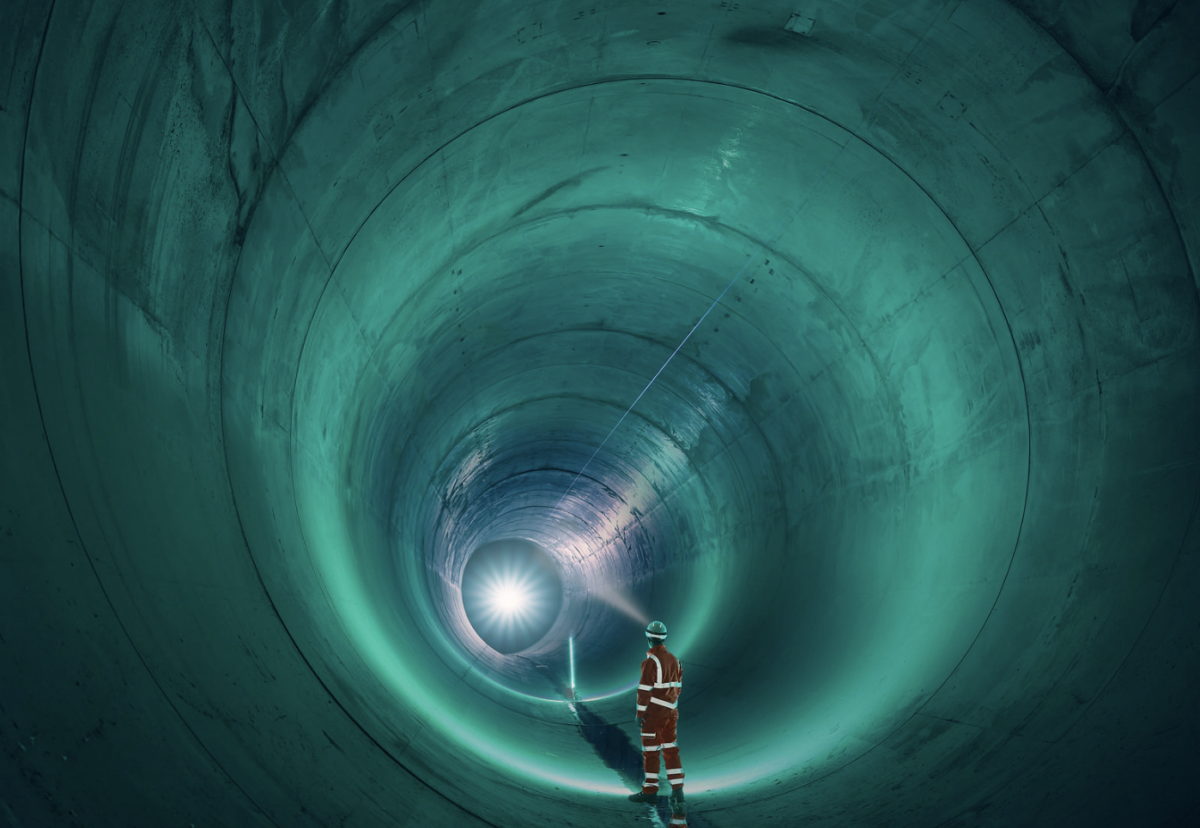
{"points": [[302, 303]]}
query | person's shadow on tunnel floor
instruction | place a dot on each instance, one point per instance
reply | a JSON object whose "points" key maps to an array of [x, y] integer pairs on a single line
{"points": [[616, 749]]}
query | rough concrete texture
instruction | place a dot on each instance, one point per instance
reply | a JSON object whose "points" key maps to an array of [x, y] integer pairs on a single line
{"points": [[301, 302]]}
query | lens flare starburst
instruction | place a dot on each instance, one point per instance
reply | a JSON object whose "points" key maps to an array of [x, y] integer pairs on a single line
{"points": [[512, 594], [512, 598]]}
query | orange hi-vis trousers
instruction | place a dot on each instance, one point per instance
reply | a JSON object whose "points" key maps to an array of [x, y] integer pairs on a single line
{"points": [[658, 736]]}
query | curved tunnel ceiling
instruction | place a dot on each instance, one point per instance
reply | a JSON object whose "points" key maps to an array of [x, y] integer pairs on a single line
{"points": [[858, 342]]}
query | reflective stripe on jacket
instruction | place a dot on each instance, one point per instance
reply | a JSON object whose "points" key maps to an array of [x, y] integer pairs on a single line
{"points": [[661, 682]]}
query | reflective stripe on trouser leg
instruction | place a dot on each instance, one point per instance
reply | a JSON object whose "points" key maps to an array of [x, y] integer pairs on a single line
{"points": [[650, 751], [670, 751]]}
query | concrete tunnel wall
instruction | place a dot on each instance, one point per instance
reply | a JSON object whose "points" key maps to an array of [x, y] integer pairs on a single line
{"points": [[303, 302]]}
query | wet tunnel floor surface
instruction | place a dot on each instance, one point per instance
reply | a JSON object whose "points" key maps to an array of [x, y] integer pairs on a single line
{"points": [[617, 751]]}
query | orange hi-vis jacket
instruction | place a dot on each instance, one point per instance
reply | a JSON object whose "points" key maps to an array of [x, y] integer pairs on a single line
{"points": [[661, 683]]}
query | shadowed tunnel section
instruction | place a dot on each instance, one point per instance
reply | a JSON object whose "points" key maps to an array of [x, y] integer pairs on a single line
{"points": [[304, 303]]}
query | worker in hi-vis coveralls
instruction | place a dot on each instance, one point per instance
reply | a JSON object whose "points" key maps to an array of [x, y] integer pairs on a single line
{"points": [[657, 715]]}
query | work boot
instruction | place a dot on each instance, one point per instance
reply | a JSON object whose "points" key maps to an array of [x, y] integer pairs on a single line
{"points": [[678, 805], [642, 796]]}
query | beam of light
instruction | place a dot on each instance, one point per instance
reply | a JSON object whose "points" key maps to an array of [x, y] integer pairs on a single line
{"points": [[622, 603], [571, 645]]}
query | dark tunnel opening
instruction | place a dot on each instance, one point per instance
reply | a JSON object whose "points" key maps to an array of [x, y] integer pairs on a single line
{"points": [[374, 372]]}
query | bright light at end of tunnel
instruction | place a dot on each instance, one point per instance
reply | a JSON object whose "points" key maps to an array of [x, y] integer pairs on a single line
{"points": [[512, 592], [509, 598]]}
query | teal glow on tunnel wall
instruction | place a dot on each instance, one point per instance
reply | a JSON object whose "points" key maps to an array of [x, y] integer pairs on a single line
{"points": [[304, 303]]}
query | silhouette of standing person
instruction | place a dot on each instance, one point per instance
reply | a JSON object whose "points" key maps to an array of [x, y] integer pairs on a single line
{"points": [[657, 717]]}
